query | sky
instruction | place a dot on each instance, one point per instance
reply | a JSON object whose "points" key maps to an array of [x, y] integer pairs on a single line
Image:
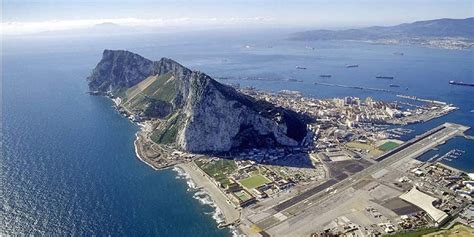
{"points": [[30, 16]]}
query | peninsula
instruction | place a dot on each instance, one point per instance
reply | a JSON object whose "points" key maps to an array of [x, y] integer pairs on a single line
{"points": [[336, 165]]}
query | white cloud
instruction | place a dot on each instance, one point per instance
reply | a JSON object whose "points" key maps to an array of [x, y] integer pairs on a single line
{"points": [[17, 27]]}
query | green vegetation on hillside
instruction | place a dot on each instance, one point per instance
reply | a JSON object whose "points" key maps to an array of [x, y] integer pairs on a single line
{"points": [[163, 88], [166, 133], [154, 88]]}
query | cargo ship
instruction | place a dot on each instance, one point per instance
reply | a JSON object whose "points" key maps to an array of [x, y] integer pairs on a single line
{"points": [[394, 85], [294, 80], [352, 65], [385, 77], [325, 75], [460, 83]]}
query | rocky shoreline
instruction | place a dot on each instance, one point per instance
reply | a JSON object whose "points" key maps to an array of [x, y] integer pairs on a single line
{"points": [[230, 215]]}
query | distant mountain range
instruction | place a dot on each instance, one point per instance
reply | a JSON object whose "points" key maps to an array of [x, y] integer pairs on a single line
{"points": [[451, 32], [432, 28]]}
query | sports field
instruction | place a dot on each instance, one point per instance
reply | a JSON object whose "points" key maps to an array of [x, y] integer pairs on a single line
{"points": [[242, 195], [254, 181], [388, 146]]}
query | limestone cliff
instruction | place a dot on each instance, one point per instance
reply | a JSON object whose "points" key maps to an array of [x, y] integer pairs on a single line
{"points": [[198, 113], [119, 69]]}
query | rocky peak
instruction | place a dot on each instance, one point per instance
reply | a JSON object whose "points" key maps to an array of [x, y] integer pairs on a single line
{"points": [[165, 65], [119, 69], [199, 114]]}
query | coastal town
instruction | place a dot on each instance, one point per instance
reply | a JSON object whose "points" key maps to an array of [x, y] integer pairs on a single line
{"points": [[354, 144], [262, 118], [456, 43]]}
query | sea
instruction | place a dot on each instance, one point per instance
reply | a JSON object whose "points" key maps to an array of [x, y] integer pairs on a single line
{"points": [[68, 165]]}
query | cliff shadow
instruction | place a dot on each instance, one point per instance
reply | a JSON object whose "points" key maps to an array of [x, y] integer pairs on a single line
{"points": [[285, 159], [298, 160]]}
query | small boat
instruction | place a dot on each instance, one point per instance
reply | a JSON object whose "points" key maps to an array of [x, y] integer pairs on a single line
{"points": [[352, 65], [394, 85], [325, 75], [299, 67]]}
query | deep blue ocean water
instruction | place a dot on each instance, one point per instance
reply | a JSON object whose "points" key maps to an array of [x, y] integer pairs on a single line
{"points": [[68, 165]]}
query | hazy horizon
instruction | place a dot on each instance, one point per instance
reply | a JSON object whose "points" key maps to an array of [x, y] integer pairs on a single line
{"points": [[29, 17]]}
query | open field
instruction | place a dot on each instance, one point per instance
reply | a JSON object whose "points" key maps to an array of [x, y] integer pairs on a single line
{"points": [[359, 145], [373, 151], [254, 181]]}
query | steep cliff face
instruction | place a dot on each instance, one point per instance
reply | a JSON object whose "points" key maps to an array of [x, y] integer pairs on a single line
{"points": [[219, 118], [199, 114], [119, 69]]}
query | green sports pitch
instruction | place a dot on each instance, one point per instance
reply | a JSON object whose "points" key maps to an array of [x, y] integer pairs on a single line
{"points": [[254, 181], [388, 146]]}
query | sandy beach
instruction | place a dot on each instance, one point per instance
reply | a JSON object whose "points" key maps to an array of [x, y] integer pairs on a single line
{"points": [[231, 214]]}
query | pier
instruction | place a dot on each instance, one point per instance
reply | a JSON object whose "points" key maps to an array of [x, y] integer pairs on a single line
{"points": [[355, 87]]}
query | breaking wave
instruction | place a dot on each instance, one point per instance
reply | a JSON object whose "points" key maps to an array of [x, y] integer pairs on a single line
{"points": [[205, 199]]}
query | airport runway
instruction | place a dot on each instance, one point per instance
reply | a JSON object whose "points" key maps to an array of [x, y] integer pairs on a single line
{"points": [[409, 150]]}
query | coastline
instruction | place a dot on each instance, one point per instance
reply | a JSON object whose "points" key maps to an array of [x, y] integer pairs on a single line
{"points": [[231, 215], [451, 167], [226, 214], [138, 153]]}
